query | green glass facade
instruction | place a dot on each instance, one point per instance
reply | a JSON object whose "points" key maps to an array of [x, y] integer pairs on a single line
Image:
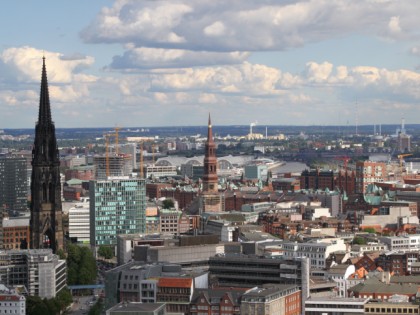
{"points": [[117, 206]]}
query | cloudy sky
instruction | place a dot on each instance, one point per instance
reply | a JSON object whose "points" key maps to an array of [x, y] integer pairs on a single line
{"points": [[136, 63]]}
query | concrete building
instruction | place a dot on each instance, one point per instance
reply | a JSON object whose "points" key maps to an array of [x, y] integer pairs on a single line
{"points": [[258, 172], [316, 251], [39, 270], [335, 305], [157, 171], [137, 308], [173, 222], [408, 242], [13, 183], [195, 172], [249, 271], [117, 206], [140, 282], [194, 254], [395, 307], [404, 142], [340, 275], [391, 217], [112, 166], [79, 222], [315, 212], [154, 248]]}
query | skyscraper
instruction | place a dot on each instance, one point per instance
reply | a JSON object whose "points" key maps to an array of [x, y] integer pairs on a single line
{"points": [[13, 183], [46, 209], [211, 200]]}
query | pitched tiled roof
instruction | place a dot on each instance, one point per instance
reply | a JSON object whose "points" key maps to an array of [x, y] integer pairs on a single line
{"points": [[8, 297], [175, 283]]}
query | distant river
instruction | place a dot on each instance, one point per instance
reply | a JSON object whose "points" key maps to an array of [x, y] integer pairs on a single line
{"points": [[290, 167]]}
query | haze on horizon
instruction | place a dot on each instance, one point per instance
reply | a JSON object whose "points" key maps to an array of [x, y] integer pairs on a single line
{"points": [[170, 63]]}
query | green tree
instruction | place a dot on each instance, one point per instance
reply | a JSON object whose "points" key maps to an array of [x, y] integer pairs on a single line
{"points": [[61, 254], [52, 305], [96, 309], [369, 230], [81, 265], [63, 299], [106, 252], [168, 204], [359, 240], [36, 306]]}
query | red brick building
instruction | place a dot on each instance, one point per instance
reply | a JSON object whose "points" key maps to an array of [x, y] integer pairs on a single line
{"points": [[85, 173], [217, 301], [368, 172], [318, 179], [234, 199], [153, 189], [182, 195], [176, 293], [398, 263], [16, 233]]}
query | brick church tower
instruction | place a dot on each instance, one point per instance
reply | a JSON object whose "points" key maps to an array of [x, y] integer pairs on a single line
{"points": [[46, 222], [211, 200]]}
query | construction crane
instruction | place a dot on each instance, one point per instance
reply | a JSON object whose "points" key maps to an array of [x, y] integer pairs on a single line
{"points": [[401, 159], [116, 139]]}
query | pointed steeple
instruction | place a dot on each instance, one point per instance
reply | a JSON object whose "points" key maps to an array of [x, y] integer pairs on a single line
{"points": [[46, 222], [44, 116], [209, 130]]}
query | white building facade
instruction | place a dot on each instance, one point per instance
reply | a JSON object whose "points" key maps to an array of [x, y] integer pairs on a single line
{"points": [[317, 251], [79, 228]]}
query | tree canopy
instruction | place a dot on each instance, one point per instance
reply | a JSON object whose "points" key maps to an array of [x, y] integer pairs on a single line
{"points": [[81, 265], [106, 252]]}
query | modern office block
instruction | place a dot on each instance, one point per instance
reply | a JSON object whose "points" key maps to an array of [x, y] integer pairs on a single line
{"points": [[117, 206], [13, 183]]}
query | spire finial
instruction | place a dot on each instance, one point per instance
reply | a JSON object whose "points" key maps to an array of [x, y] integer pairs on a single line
{"points": [[209, 130], [44, 116]]}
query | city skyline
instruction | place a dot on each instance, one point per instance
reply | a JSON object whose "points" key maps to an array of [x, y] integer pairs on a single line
{"points": [[157, 63]]}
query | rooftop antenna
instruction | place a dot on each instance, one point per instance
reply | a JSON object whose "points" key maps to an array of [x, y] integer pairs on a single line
{"points": [[374, 129]]}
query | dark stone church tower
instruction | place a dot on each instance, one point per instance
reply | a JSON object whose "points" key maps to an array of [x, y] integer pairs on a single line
{"points": [[46, 210]]}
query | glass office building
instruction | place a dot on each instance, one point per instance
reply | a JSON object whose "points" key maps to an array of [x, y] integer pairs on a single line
{"points": [[117, 206], [13, 183]]}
